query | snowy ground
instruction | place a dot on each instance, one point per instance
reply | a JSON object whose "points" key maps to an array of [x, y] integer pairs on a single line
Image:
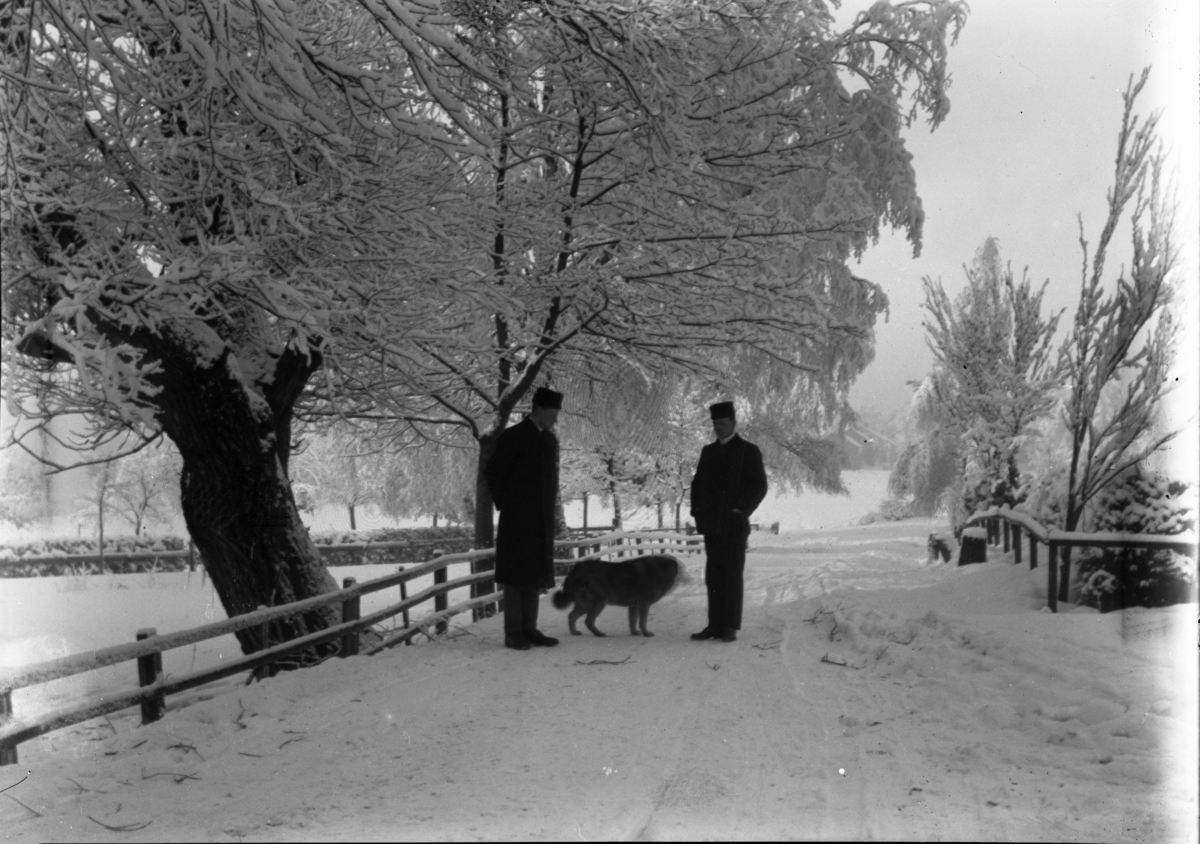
{"points": [[868, 696]]}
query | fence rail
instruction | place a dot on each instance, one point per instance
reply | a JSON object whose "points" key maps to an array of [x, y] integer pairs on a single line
{"points": [[147, 649], [1005, 526]]}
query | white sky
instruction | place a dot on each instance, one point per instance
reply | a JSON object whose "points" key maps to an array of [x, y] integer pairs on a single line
{"points": [[1029, 144]]}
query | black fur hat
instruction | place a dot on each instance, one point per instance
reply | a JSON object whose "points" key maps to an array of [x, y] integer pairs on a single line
{"points": [[545, 397], [722, 410]]}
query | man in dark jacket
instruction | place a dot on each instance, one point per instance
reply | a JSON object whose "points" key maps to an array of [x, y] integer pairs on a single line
{"points": [[728, 485], [523, 478]]}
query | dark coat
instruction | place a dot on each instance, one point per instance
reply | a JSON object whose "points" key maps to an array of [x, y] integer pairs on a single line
{"points": [[523, 478], [728, 477]]}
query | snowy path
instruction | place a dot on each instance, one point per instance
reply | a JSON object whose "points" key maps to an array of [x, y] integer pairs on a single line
{"points": [[961, 712]]}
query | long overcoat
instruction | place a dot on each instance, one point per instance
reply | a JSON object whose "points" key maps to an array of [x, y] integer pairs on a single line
{"points": [[728, 477], [523, 478]]}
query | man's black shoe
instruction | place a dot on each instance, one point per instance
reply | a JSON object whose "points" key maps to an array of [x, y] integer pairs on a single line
{"points": [[728, 636], [706, 633], [517, 643], [540, 639]]}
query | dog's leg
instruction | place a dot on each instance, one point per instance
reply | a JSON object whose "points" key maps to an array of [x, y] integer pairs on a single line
{"points": [[590, 621], [572, 617], [633, 619], [643, 617]]}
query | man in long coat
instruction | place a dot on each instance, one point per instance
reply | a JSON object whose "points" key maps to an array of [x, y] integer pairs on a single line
{"points": [[523, 478], [728, 486]]}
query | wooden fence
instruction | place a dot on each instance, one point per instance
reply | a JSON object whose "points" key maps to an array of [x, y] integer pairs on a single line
{"points": [[1006, 527], [147, 649]]}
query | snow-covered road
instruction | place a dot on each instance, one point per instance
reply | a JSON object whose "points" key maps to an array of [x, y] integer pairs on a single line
{"points": [[868, 696]]}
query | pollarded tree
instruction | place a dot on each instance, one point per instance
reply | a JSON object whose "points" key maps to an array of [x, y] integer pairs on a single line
{"points": [[204, 204], [666, 181], [996, 376], [1122, 342]]}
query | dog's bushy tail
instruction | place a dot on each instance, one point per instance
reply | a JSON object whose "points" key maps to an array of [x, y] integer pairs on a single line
{"points": [[563, 597]]}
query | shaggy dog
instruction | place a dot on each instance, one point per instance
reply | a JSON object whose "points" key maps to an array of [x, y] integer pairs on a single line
{"points": [[637, 583]]}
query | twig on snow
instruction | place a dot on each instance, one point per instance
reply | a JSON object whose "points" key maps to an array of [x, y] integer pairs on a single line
{"points": [[129, 827], [15, 784], [297, 738], [603, 661], [843, 663], [22, 805], [178, 776], [463, 632], [768, 647], [190, 747]]}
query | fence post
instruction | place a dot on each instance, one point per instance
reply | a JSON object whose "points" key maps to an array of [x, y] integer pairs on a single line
{"points": [[1016, 541], [404, 597], [149, 671], [263, 671], [1033, 543], [8, 754], [1006, 529], [1064, 574], [350, 612], [1052, 578], [441, 601], [191, 555], [478, 590]]}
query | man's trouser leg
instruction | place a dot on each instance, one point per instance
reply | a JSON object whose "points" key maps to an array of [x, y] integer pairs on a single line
{"points": [[520, 610], [723, 571]]}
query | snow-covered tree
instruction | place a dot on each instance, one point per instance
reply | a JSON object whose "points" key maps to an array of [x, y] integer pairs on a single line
{"points": [[218, 213], [204, 204], [1122, 340], [435, 479], [97, 500], [339, 467], [1111, 579], [929, 467], [146, 489], [23, 498], [668, 179], [995, 376]]}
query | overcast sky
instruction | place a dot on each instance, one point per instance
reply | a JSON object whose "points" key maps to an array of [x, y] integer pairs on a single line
{"points": [[1030, 143]]}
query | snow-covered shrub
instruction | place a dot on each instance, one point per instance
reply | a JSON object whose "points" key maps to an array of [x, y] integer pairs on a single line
{"points": [[1114, 578], [1046, 501]]}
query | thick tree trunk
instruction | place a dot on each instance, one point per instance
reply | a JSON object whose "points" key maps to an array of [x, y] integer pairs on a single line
{"points": [[485, 531], [236, 497]]}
